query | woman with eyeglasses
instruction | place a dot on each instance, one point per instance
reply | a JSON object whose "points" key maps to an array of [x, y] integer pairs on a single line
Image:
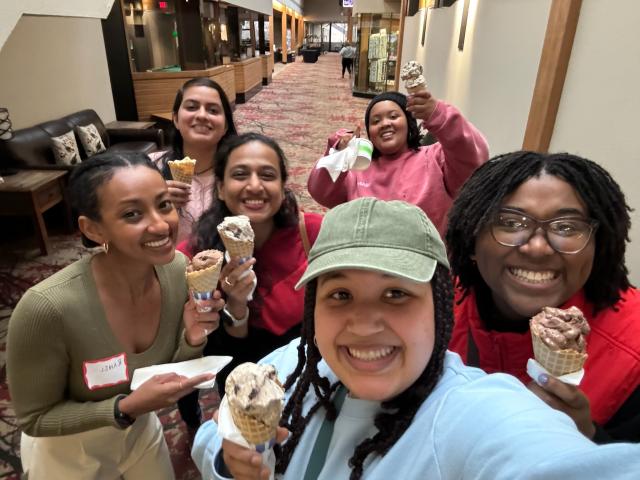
{"points": [[530, 230]]}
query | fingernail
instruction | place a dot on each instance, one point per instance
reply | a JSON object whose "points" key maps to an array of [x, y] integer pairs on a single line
{"points": [[543, 378]]}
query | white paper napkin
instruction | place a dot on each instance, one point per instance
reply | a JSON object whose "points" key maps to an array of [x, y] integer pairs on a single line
{"points": [[189, 369], [355, 156], [227, 258], [534, 370]]}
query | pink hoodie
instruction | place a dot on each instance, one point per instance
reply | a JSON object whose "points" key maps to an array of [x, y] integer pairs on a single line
{"points": [[429, 178]]}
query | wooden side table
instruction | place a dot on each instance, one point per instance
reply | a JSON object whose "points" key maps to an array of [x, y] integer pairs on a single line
{"points": [[33, 192]]}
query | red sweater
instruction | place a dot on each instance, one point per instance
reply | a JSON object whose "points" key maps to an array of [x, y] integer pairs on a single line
{"points": [[429, 178], [612, 369], [280, 263]]}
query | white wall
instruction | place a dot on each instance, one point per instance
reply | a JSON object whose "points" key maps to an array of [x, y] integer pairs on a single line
{"points": [[600, 106], [376, 6], [323, 11], [493, 78], [52, 66]]}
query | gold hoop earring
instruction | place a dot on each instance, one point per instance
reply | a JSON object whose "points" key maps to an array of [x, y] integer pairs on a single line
{"points": [[105, 247]]}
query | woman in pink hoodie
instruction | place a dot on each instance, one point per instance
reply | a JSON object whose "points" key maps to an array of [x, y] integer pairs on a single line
{"points": [[427, 176]]}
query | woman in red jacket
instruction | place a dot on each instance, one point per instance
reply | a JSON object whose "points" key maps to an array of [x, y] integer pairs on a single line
{"points": [[251, 177], [530, 230]]}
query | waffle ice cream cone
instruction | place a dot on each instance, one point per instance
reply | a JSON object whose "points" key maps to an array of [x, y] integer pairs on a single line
{"points": [[558, 339], [237, 235], [255, 398], [411, 73], [202, 275], [182, 170]]}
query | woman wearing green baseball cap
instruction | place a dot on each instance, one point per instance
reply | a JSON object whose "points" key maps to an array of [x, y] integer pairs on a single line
{"points": [[371, 390]]}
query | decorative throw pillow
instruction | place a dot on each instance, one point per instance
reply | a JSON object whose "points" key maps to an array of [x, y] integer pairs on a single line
{"points": [[91, 140], [65, 149]]}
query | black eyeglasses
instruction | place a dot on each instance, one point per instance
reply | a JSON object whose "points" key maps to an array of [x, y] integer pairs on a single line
{"points": [[569, 235]]}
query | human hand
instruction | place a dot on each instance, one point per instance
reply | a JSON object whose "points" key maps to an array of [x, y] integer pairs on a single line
{"points": [[346, 137], [197, 325], [179, 193], [236, 286], [160, 391], [421, 104], [566, 398], [244, 463]]}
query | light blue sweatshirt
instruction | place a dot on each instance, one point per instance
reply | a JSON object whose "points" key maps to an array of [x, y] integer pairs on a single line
{"points": [[472, 426]]}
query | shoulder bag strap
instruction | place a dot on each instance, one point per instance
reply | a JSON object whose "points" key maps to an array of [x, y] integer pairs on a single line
{"points": [[303, 234], [320, 448]]}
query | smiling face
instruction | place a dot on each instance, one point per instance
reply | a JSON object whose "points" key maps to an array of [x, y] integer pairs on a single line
{"points": [[252, 183], [375, 331], [200, 118], [137, 218], [524, 279], [388, 129]]}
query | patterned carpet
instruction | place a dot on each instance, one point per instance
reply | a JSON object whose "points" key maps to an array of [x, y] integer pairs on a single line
{"points": [[300, 108]]}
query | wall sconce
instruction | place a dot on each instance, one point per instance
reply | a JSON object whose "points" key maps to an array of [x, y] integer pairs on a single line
{"points": [[6, 132]]}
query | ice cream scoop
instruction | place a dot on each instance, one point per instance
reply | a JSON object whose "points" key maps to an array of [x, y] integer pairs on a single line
{"points": [[237, 235], [202, 274], [182, 170], [255, 398], [411, 73], [558, 336]]}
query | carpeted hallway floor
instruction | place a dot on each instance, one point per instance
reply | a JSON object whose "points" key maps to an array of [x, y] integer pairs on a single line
{"points": [[300, 108]]}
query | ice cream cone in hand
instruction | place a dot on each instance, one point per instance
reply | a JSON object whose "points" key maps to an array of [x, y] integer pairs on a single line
{"points": [[411, 73], [203, 273], [255, 398], [237, 235], [559, 339], [182, 170]]}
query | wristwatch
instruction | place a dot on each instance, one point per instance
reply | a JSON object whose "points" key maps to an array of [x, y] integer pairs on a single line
{"points": [[122, 419], [233, 321]]}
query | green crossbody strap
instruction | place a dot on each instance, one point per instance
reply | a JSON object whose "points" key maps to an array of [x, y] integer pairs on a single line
{"points": [[319, 452]]}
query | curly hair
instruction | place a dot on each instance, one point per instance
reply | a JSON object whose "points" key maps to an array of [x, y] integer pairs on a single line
{"points": [[397, 413], [482, 195], [205, 234]]}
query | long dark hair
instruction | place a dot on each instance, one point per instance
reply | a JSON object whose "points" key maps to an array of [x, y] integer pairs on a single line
{"points": [[413, 131], [481, 197], [87, 178], [205, 234], [397, 414], [175, 137]]}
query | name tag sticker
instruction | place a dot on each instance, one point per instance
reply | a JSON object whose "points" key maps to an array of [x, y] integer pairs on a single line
{"points": [[106, 372]]}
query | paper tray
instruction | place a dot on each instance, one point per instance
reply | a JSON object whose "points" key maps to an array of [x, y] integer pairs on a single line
{"points": [[190, 368]]}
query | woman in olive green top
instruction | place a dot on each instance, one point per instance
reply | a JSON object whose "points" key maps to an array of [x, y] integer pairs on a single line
{"points": [[76, 338]]}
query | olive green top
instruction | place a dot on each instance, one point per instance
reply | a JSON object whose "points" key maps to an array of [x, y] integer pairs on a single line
{"points": [[58, 325]]}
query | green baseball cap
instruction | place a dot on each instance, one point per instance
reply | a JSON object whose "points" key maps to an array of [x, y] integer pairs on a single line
{"points": [[391, 237]]}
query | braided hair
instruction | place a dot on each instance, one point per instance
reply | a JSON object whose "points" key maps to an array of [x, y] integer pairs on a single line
{"points": [[398, 412], [482, 195]]}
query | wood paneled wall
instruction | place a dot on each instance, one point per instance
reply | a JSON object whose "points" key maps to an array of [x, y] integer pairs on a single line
{"points": [[248, 74], [267, 66], [156, 91]]}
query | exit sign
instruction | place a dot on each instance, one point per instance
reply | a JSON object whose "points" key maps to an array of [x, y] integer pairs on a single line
{"points": [[163, 5]]}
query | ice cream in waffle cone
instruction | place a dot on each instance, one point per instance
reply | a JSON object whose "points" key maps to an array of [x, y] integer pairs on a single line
{"points": [[411, 73], [182, 170], [255, 398], [559, 339], [237, 235], [203, 273]]}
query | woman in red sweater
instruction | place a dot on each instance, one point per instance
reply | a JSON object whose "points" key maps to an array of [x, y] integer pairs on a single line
{"points": [[426, 176], [251, 175], [530, 230]]}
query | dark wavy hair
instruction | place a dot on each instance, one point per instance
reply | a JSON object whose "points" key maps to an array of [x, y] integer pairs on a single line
{"points": [[398, 412], [205, 234], [481, 197], [413, 133], [87, 178]]}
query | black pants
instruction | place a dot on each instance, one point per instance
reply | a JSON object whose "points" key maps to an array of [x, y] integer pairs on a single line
{"points": [[346, 64], [256, 345]]}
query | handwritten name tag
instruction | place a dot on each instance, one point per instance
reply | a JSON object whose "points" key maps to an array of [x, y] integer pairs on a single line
{"points": [[106, 372]]}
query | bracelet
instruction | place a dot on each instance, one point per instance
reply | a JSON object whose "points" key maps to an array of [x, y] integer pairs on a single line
{"points": [[122, 419], [233, 321]]}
